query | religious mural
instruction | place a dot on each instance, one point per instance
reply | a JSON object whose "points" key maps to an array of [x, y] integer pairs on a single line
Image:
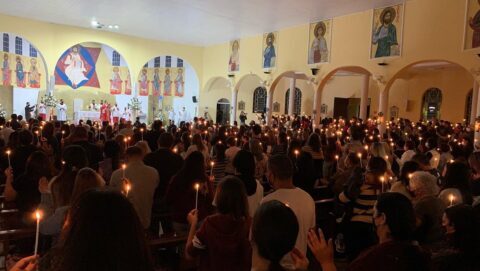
{"points": [[162, 77], [320, 37], [234, 60], [269, 52], [387, 30], [93, 65], [472, 25], [21, 63]]}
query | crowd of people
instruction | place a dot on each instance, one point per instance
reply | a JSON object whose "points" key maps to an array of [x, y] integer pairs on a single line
{"points": [[291, 195]]}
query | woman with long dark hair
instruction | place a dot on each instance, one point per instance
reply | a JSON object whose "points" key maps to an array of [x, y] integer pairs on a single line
{"points": [[244, 164], [181, 192], [102, 232]]}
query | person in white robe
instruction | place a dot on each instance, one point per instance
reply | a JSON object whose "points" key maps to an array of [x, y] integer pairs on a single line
{"points": [[61, 111]]}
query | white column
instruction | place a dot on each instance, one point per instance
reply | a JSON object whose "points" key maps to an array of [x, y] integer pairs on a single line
{"points": [[233, 115], [364, 97], [291, 97], [473, 111], [383, 107], [269, 105]]}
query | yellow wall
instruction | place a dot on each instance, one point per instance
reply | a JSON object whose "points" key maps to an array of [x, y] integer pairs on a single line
{"points": [[433, 29]]}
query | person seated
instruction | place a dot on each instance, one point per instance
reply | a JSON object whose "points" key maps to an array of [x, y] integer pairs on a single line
{"points": [[222, 242], [394, 220], [338, 181], [274, 233], [463, 240], [141, 181], [428, 207]]}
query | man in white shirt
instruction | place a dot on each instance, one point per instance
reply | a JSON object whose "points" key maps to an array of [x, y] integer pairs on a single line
{"points": [[280, 175], [61, 111], [143, 182], [230, 154]]}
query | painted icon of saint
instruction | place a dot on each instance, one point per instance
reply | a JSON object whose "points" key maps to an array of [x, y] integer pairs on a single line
{"points": [[385, 35]]}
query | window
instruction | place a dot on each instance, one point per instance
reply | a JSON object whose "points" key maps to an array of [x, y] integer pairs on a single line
{"points": [[179, 63], [18, 46], [33, 51], [168, 61], [260, 100], [156, 62], [298, 101], [6, 43], [115, 58]]}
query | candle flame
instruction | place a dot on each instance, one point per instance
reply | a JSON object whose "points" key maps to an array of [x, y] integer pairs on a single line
{"points": [[8, 152], [124, 166], [38, 215], [197, 186]]}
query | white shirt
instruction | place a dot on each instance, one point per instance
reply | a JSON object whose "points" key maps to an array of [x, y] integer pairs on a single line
{"points": [[255, 199], [303, 206], [5, 133], [62, 112], [407, 156], [230, 154]]}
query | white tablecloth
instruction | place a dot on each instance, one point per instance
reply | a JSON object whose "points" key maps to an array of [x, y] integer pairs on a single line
{"points": [[86, 115]]}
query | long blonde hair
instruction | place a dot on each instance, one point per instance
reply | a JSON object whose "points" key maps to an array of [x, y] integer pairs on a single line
{"points": [[85, 180]]}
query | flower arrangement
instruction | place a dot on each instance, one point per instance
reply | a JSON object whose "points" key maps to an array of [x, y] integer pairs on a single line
{"points": [[49, 100], [3, 113], [135, 104]]}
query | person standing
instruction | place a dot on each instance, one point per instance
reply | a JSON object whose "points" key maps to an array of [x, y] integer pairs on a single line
{"points": [[62, 111], [28, 111]]}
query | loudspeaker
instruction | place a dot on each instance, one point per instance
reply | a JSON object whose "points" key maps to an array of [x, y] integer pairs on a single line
{"points": [[194, 99]]}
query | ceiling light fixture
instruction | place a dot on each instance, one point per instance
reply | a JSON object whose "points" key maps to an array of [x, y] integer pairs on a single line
{"points": [[96, 24]]}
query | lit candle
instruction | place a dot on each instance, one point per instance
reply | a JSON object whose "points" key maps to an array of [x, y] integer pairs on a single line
{"points": [[211, 168], [124, 166], [127, 188], [382, 180], [126, 142], [336, 157], [38, 216], [175, 150], [452, 199], [360, 157], [141, 131], [288, 138], [296, 154], [197, 187], [8, 156], [63, 134]]}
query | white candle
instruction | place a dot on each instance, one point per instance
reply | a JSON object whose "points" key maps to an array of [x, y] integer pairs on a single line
{"points": [[360, 157], [124, 166], [197, 187], [382, 180], [141, 130], [296, 154], [211, 168], [127, 189], [452, 199], [38, 216], [8, 156]]}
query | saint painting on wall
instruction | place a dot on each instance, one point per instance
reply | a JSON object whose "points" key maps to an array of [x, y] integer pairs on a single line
{"points": [[234, 60], [269, 54], [472, 25], [116, 81], [179, 83], [387, 31], [143, 83], [319, 42]]}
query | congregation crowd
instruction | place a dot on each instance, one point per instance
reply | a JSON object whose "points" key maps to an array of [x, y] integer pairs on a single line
{"points": [[290, 195]]}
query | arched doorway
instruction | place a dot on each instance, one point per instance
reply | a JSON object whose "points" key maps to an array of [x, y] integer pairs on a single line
{"points": [[297, 107], [431, 103], [468, 106], [223, 111], [260, 100]]}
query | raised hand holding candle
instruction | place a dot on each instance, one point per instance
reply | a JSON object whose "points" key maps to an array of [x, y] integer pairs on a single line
{"points": [[38, 216], [197, 187]]}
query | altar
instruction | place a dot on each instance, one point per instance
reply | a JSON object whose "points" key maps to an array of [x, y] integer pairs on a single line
{"points": [[86, 115]]}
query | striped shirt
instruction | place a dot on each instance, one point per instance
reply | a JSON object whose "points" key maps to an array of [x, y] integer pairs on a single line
{"points": [[363, 204], [219, 171]]}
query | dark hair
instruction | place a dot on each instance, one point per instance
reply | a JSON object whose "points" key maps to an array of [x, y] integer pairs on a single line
{"points": [[74, 158], [280, 166], [112, 151], [377, 166], [220, 151], [458, 176], [408, 168], [314, 142], [102, 232], [353, 159], [399, 213], [421, 159], [25, 137], [165, 140], [274, 231], [133, 151], [244, 164], [38, 165], [465, 221], [231, 198], [193, 170], [410, 145]]}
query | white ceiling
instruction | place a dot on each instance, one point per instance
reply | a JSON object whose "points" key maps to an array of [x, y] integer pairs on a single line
{"points": [[199, 22]]}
